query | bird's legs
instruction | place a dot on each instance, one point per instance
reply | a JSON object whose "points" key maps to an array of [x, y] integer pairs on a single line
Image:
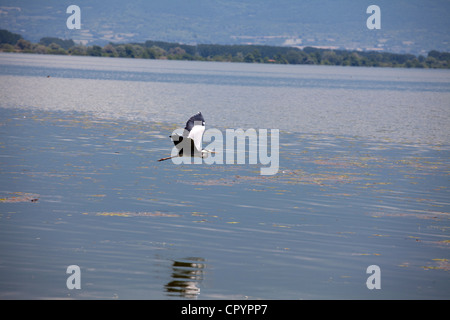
{"points": [[162, 159]]}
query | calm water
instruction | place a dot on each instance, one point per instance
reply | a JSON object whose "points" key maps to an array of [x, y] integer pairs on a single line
{"points": [[363, 180], [391, 104]]}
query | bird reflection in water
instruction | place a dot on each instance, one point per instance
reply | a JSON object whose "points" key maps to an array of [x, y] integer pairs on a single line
{"points": [[186, 275]]}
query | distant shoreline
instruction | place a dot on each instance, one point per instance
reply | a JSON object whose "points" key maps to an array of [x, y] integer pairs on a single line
{"points": [[10, 42]]}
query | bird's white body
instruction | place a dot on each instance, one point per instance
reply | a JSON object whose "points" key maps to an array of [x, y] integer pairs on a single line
{"points": [[196, 134]]}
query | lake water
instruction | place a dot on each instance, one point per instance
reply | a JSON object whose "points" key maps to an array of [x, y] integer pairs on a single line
{"points": [[363, 180]]}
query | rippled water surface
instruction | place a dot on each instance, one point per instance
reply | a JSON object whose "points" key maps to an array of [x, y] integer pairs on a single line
{"points": [[363, 180]]}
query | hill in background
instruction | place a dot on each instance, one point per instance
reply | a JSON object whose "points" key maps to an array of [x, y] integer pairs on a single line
{"points": [[407, 26]]}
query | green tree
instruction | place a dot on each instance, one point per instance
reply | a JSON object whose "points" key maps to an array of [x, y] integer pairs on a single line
{"points": [[6, 47], [155, 52], [54, 48], [137, 50], [176, 53], [129, 51], [249, 57], [257, 55], [329, 58], [9, 37], [109, 50], [297, 57], [65, 44], [95, 51], [39, 48], [78, 51], [23, 45]]}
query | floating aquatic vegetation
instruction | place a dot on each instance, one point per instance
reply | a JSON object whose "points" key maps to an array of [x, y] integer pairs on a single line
{"points": [[20, 197], [342, 163], [291, 177], [420, 214], [135, 214], [441, 264]]}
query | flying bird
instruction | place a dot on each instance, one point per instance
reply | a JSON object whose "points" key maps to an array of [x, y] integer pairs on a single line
{"points": [[190, 143]]}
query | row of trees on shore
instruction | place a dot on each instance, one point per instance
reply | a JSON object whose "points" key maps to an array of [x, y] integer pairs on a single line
{"points": [[10, 42]]}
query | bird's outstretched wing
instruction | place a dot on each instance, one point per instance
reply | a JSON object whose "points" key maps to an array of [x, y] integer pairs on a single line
{"points": [[195, 127], [196, 119]]}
